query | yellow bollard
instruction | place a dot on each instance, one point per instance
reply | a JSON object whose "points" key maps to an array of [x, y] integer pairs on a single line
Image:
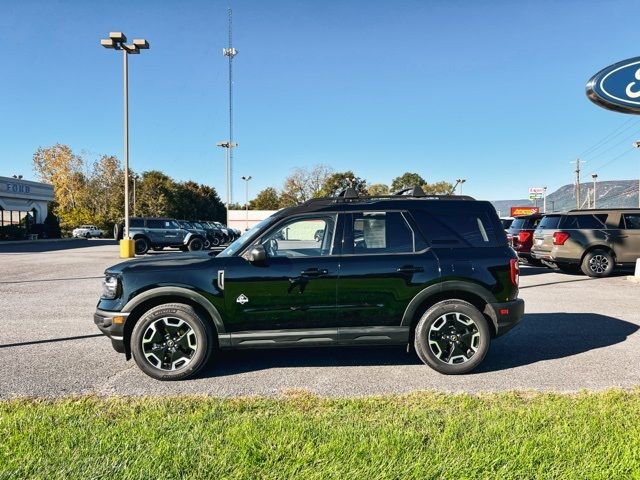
{"points": [[127, 248]]}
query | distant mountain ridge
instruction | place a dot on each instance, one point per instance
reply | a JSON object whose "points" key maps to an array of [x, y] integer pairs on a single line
{"points": [[609, 194]]}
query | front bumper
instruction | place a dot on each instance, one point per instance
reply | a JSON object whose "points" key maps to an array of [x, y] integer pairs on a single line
{"points": [[508, 315], [114, 329]]}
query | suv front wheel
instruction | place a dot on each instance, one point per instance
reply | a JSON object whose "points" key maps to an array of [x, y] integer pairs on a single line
{"points": [[195, 245], [452, 337], [172, 342], [597, 263]]}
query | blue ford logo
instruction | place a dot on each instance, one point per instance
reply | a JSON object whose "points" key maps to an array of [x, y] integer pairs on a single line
{"points": [[617, 87]]}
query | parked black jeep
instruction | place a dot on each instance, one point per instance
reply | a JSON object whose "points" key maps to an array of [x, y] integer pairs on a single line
{"points": [[432, 272]]}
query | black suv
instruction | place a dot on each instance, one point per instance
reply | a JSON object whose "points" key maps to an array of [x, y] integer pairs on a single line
{"points": [[432, 272]]}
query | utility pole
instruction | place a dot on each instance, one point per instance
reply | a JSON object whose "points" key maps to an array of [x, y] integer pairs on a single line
{"points": [[230, 52], [594, 176], [577, 162], [544, 199]]}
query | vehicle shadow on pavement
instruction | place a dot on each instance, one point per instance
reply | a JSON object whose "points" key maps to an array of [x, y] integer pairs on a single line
{"points": [[549, 336], [539, 337], [51, 246], [233, 362]]}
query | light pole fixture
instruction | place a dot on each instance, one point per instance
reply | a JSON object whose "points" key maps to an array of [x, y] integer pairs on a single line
{"points": [[227, 145], [594, 176], [118, 41], [246, 199], [459, 181]]}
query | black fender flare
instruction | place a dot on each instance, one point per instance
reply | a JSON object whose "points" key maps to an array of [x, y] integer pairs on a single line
{"points": [[186, 293], [453, 286]]}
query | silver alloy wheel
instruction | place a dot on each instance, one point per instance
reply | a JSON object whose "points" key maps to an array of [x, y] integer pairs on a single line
{"points": [[599, 263], [454, 338], [169, 343]]}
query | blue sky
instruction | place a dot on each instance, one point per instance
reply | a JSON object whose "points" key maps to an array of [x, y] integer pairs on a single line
{"points": [[489, 91]]}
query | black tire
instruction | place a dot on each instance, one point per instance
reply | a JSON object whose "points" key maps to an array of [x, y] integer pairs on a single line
{"points": [[598, 263], [534, 262], [87, 235], [141, 245], [460, 333], [172, 342], [215, 242], [117, 232], [195, 244], [207, 244]]}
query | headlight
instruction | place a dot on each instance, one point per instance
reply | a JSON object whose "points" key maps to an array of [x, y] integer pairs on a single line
{"points": [[110, 287]]}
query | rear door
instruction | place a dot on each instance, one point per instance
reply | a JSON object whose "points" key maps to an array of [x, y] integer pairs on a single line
{"points": [[385, 262], [628, 248]]}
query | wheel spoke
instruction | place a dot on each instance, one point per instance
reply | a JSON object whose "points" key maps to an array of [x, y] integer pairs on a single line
{"points": [[454, 338], [169, 343]]}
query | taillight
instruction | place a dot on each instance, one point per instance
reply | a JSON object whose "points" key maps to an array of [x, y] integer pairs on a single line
{"points": [[560, 237], [514, 269], [523, 237]]}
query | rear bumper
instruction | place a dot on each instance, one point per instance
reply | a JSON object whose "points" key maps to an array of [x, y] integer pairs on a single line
{"points": [[104, 320], [508, 315]]}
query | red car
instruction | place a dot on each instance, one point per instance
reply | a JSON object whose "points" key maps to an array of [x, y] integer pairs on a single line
{"points": [[520, 235]]}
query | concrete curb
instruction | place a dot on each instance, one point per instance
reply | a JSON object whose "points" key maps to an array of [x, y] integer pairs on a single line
{"points": [[633, 278]]}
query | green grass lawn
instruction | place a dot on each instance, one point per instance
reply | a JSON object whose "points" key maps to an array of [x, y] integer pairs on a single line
{"points": [[595, 436]]}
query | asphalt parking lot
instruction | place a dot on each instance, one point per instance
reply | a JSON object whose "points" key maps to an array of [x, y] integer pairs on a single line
{"points": [[578, 333]]}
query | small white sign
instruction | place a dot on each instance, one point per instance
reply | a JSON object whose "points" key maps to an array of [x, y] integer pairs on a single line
{"points": [[539, 190]]}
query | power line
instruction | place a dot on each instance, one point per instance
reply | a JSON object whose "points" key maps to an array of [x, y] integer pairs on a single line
{"points": [[616, 132], [612, 147]]}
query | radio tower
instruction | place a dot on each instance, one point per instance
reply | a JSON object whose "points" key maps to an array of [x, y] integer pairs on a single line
{"points": [[230, 52]]}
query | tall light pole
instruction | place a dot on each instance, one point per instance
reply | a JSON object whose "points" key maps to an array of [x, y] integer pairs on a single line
{"points": [[544, 199], [637, 145], [460, 181], [594, 176], [230, 53], [246, 199], [228, 146], [118, 41]]}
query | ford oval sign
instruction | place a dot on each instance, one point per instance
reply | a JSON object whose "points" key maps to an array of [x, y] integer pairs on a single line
{"points": [[617, 87]]}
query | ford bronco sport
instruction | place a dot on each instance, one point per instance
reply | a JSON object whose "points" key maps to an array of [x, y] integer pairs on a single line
{"points": [[432, 272]]}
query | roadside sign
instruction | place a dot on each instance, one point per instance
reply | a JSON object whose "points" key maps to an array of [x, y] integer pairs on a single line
{"points": [[517, 211], [617, 87], [539, 190], [535, 196]]}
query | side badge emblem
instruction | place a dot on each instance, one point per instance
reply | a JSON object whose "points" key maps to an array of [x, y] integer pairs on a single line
{"points": [[242, 299]]}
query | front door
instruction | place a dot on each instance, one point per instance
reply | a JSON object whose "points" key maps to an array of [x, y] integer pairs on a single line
{"points": [[295, 287], [385, 263]]}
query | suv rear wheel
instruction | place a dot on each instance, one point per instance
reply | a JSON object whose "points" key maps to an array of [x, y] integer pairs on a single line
{"points": [[452, 337], [195, 245], [597, 263], [172, 342]]}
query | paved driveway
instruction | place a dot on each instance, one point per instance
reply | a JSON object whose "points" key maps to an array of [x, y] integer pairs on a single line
{"points": [[578, 333]]}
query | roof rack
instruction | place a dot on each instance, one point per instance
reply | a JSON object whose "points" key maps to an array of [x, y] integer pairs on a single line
{"points": [[350, 194]]}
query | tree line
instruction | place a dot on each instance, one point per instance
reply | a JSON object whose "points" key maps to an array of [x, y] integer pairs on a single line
{"points": [[91, 191], [322, 181]]}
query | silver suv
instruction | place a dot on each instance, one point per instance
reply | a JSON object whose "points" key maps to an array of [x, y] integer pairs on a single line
{"points": [[596, 241]]}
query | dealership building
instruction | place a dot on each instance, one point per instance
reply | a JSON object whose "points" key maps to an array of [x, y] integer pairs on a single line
{"points": [[20, 199]]}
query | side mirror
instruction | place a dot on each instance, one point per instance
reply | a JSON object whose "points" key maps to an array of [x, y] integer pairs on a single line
{"points": [[257, 254]]}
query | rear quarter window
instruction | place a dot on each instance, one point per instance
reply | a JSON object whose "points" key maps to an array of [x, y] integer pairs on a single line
{"points": [[583, 221], [455, 228]]}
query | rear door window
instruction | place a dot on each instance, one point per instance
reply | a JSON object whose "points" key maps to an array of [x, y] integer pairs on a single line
{"points": [[582, 221], [380, 232], [136, 223]]}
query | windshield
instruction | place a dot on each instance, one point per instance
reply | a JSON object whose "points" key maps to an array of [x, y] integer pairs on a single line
{"points": [[246, 238]]}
